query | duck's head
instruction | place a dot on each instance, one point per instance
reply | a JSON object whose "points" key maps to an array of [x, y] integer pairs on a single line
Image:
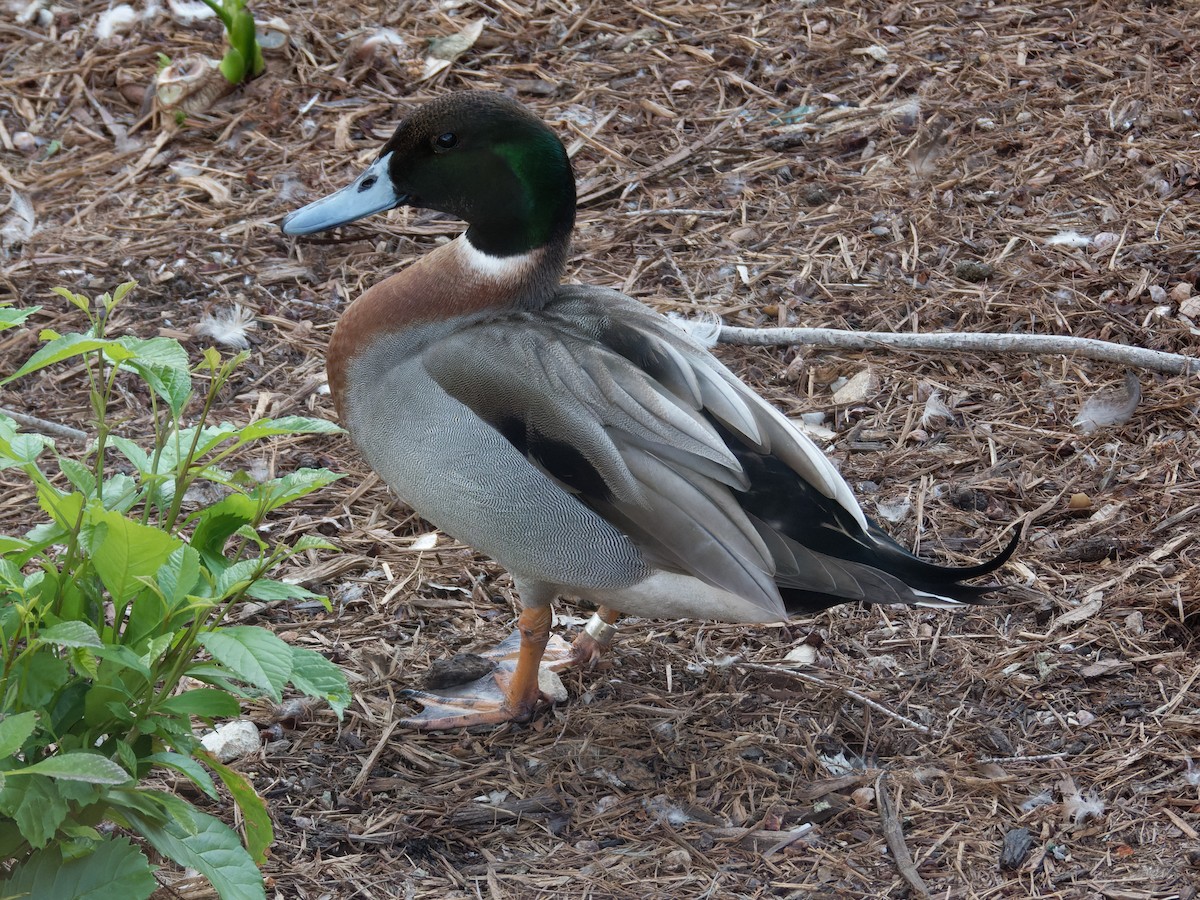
{"points": [[477, 155]]}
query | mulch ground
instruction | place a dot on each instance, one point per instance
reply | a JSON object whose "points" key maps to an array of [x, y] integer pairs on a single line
{"points": [[869, 166]]}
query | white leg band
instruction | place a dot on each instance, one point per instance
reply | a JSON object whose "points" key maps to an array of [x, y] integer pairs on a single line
{"points": [[599, 630]]}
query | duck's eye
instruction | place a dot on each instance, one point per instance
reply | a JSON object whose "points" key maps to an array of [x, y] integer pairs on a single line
{"points": [[446, 141]]}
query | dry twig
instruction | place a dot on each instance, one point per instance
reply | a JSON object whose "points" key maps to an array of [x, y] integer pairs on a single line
{"points": [[893, 833], [45, 426], [1089, 348]]}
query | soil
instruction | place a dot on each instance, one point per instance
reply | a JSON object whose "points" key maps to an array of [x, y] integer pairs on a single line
{"points": [[973, 167]]}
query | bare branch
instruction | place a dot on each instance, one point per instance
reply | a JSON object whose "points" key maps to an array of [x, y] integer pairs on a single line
{"points": [[957, 342], [43, 426]]}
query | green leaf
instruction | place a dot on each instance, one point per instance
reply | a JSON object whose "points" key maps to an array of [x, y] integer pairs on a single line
{"points": [[64, 509], [78, 474], [39, 677], [315, 676], [207, 703], [132, 452], [163, 364], [178, 578], [237, 576], [280, 491], [10, 317], [36, 805], [10, 544], [312, 542], [253, 655], [17, 448], [122, 657], [79, 301], [256, 821], [187, 766], [14, 731], [269, 589], [123, 551], [79, 765], [71, 634], [287, 425], [116, 868], [211, 436], [59, 348], [217, 522], [233, 66], [213, 849], [122, 289], [119, 492]]}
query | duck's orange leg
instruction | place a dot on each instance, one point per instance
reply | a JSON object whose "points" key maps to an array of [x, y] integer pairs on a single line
{"points": [[508, 694]]}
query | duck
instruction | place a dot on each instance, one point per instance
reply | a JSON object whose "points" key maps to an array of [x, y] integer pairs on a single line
{"points": [[579, 438]]}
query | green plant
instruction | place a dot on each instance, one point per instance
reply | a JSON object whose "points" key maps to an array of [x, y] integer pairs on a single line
{"points": [[111, 634], [244, 59]]}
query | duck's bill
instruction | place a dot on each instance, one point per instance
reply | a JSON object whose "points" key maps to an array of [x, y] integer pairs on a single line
{"points": [[371, 192]]}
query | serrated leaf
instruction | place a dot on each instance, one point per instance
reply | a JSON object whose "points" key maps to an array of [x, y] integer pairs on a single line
{"points": [[280, 491], [39, 676], [132, 452], [60, 347], [10, 317], [179, 577], [36, 805], [119, 492], [268, 589], [312, 542], [124, 551], [188, 767], [315, 676], [122, 290], [215, 524], [71, 634], [287, 425], [116, 868], [78, 765], [17, 448], [253, 655], [237, 576], [14, 731], [207, 703], [122, 657], [79, 301], [255, 820], [163, 364], [63, 508], [80, 476], [213, 849]]}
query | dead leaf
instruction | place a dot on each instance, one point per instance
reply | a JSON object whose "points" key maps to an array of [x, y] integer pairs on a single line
{"points": [[1085, 610], [1102, 667], [445, 50]]}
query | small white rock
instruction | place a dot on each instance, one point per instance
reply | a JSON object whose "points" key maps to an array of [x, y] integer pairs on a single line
{"points": [[857, 389], [24, 142], [551, 685], [804, 655], [233, 740]]}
